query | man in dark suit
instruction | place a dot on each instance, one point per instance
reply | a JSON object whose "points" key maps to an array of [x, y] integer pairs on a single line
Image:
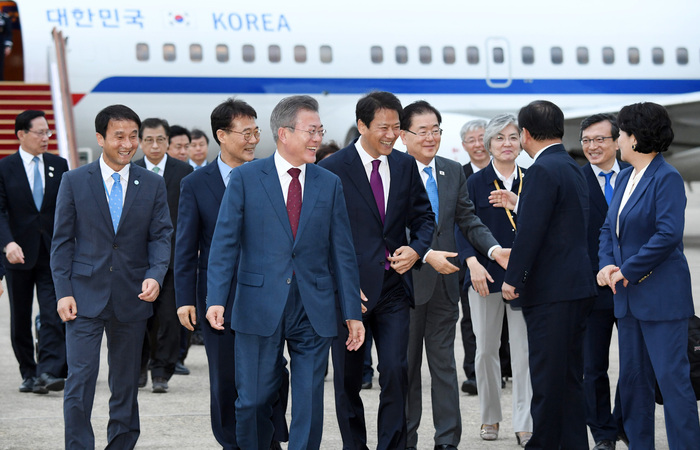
{"points": [[109, 255], [385, 196], [599, 135], [162, 342], [29, 181], [433, 320], [551, 271], [234, 129], [291, 260], [5, 40]]}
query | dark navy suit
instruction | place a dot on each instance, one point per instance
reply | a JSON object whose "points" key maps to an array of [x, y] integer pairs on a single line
{"points": [[550, 269], [200, 199], [104, 272], [31, 229], [389, 295], [654, 308]]}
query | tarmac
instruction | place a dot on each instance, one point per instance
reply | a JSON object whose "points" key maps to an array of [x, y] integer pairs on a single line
{"points": [[180, 418]]}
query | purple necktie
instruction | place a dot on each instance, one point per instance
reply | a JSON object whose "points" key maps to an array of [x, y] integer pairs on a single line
{"points": [[375, 182], [294, 200]]}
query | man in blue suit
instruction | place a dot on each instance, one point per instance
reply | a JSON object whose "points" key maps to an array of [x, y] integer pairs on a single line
{"points": [[109, 255], [234, 129], [291, 259], [385, 196], [599, 134], [550, 268]]}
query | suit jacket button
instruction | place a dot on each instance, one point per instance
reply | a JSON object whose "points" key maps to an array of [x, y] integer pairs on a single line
{"points": [[294, 255], [439, 233], [381, 263], [110, 268], [115, 246], [289, 281]]}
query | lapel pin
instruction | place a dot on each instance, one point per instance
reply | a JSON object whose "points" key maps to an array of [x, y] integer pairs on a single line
{"points": [[50, 174], [136, 182], [51, 168], [442, 173]]}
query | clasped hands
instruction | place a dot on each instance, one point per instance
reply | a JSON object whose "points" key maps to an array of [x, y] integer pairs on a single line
{"points": [[609, 276]]}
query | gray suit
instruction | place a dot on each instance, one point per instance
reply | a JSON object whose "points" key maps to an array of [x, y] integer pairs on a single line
{"points": [[434, 318]]}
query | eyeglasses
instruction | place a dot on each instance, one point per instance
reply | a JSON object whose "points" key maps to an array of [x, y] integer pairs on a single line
{"points": [[42, 133], [248, 134], [472, 141], [160, 140], [424, 133], [598, 140], [320, 132]]}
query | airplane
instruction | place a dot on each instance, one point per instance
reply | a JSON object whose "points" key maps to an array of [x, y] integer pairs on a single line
{"points": [[179, 59]]}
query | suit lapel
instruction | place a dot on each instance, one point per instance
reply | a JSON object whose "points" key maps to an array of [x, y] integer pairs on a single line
{"points": [[271, 183], [52, 180], [358, 176], [394, 186], [445, 183], [596, 196], [642, 185], [18, 169], [132, 191], [308, 203], [214, 181], [97, 186]]}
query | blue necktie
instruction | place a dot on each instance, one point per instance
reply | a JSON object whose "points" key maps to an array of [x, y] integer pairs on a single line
{"points": [[38, 189], [608, 189], [431, 189], [115, 201]]}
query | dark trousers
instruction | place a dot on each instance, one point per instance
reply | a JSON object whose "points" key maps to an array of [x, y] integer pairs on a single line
{"points": [[83, 340], [52, 336], [555, 338], [162, 339], [600, 417], [389, 322]]}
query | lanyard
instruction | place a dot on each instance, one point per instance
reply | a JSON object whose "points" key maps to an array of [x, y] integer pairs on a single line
{"points": [[520, 188]]}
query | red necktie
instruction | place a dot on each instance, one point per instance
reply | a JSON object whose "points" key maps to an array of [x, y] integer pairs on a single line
{"points": [[294, 200]]}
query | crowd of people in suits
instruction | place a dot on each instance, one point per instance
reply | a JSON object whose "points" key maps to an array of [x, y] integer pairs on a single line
{"points": [[318, 248]]}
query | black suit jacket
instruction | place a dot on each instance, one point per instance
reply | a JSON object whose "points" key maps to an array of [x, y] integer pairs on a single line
{"points": [[175, 171], [20, 221]]}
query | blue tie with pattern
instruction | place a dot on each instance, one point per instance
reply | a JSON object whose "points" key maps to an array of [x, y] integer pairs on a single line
{"points": [[38, 189], [608, 189], [431, 189], [115, 201]]}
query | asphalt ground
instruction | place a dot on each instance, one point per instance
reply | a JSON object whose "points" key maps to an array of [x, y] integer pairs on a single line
{"points": [[180, 418]]}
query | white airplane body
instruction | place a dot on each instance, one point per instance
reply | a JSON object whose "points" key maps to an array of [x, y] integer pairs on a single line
{"points": [[178, 60]]}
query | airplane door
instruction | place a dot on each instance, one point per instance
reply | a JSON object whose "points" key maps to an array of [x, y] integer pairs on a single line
{"points": [[497, 63]]}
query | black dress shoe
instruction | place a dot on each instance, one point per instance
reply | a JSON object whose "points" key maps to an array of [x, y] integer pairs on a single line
{"points": [[445, 447], [47, 382], [275, 446], [469, 386], [143, 379], [180, 369], [27, 385], [604, 445], [160, 385]]}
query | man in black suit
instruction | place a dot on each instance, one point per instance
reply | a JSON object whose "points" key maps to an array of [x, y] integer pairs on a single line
{"points": [[599, 134], [163, 331], [29, 181], [551, 271]]}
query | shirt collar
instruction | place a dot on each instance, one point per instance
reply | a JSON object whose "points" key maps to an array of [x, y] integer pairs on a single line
{"points": [[597, 170], [422, 166], [283, 166], [108, 171], [28, 157], [224, 169], [160, 165], [513, 176], [365, 157]]}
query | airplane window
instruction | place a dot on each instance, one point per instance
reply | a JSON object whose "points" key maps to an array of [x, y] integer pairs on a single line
{"points": [[581, 55], [448, 55], [608, 55], [248, 53], [425, 54], [142, 52], [326, 54], [300, 53], [377, 54], [657, 55], [498, 56], [682, 56], [557, 55], [274, 54], [222, 52], [195, 52], [472, 55], [169, 52], [633, 55], [401, 54], [528, 54]]}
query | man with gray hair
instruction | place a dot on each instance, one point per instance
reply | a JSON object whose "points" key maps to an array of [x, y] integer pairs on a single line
{"points": [[285, 221]]}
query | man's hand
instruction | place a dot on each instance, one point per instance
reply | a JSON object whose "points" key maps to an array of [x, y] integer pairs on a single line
{"points": [[438, 259], [479, 276], [67, 309], [356, 334], [14, 253], [188, 316], [403, 259], [149, 290], [503, 199], [363, 297], [215, 316], [501, 256], [508, 292]]}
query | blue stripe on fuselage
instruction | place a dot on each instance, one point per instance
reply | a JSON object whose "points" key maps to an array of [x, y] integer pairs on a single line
{"points": [[248, 85]]}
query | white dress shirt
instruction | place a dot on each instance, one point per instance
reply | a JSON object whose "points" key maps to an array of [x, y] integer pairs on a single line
{"points": [[109, 181], [601, 180], [29, 167], [160, 165], [384, 171], [629, 189], [285, 178]]}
